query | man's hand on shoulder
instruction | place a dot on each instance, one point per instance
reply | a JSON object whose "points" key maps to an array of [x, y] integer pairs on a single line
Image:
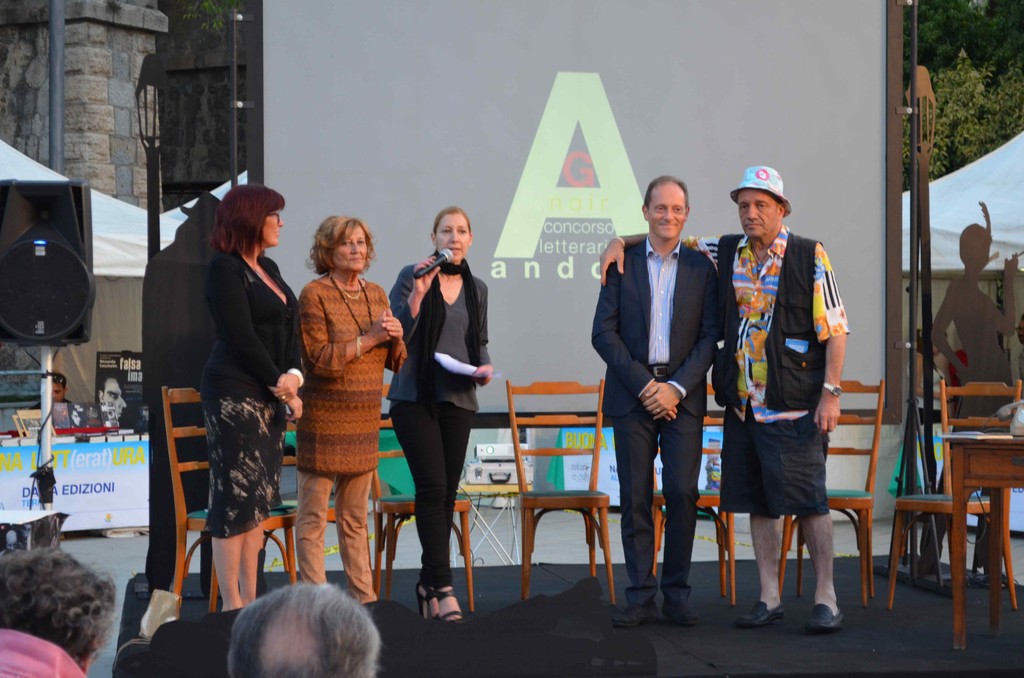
{"points": [[615, 253]]}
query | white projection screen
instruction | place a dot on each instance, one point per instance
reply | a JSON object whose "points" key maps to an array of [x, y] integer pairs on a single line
{"points": [[545, 120]]}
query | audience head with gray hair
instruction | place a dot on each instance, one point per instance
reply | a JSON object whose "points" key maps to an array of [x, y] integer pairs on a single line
{"points": [[47, 594], [307, 631]]}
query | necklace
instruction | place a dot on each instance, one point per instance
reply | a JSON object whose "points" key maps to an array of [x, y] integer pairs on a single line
{"points": [[341, 289], [369, 313]]}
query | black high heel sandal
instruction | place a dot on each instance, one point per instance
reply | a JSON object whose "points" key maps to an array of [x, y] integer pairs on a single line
{"points": [[423, 599], [452, 616]]}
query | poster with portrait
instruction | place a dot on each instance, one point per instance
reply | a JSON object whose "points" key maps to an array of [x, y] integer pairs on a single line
{"points": [[119, 389]]}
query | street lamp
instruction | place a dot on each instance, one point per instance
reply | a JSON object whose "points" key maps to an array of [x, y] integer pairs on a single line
{"points": [[152, 78]]}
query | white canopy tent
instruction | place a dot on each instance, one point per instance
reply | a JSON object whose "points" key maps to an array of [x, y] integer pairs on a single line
{"points": [[996, 179]]}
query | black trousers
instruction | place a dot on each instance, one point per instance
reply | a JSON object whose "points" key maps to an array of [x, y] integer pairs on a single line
{"points": [[637, 439], [435, 447]]}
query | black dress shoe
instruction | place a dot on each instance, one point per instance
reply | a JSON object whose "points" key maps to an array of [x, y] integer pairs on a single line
{"points": [[680, 615], [823, 621], [635, 615], [760, 615]]}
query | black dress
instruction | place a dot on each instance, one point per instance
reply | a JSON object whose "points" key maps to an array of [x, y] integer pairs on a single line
{"points": [[245, 423]]}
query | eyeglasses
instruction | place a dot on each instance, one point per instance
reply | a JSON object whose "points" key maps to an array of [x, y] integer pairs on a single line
{"points": [[276, 215]]}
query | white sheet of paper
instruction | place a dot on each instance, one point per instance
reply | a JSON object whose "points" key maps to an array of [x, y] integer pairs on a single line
{"points": [[454, 366], [457, 366]]}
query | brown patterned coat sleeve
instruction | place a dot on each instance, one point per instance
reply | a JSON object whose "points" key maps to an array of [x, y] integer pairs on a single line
{"points": [[324, 354]]}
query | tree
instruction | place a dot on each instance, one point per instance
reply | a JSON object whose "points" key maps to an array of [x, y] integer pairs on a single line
{"points": [[974, 51]]}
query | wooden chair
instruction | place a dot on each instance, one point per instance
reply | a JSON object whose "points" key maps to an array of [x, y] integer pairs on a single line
{"points": [[710, 502], [856, 504], [913, 507], [400, 508], [534, 504], [186, 521]]}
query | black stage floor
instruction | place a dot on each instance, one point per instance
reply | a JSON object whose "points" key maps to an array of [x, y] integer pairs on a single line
{"points": [[564, 629]]}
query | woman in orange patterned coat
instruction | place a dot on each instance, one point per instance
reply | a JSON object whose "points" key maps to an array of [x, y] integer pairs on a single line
{"points": [[348, 337]]}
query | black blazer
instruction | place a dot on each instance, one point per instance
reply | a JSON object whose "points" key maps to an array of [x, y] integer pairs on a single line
{"points": [[621, 330]]}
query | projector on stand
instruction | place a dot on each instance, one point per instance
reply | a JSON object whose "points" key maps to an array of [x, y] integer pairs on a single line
{"points": [[495, 464]]}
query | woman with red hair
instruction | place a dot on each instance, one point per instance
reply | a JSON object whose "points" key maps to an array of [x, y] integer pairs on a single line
{"points": [[250, 383]]}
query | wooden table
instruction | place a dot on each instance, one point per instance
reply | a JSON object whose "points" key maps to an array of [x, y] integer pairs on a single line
{"points": [[981, 461]]}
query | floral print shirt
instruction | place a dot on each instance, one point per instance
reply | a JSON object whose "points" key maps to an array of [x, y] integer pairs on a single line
{"points": [[757, 286]]}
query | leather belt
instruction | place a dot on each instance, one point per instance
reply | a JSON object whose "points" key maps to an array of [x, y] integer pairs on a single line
{"points": [[658, 371]]}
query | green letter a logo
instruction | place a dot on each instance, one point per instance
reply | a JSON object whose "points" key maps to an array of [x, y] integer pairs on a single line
{"points": [[579, 118]]}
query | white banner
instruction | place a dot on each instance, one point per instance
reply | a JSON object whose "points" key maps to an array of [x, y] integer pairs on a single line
{"points": [[100, 484]]}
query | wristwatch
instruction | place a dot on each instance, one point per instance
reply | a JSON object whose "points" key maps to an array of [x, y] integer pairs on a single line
{"points": [[834, 389]]}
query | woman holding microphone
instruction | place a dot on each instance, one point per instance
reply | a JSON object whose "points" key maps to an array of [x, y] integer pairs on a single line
{"points": [[443, 309]]}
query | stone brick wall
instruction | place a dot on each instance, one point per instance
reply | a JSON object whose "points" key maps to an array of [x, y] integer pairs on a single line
{"points": [[105, 43]]}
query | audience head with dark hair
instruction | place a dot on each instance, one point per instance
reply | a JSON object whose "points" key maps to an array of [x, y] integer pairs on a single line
{"points": [[307, 631], [46, 595]]}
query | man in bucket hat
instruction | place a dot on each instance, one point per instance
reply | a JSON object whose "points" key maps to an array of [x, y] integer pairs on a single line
{"points": [[777, 376]]}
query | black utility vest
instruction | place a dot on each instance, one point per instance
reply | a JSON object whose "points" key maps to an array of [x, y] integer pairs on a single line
{"points": [[796, 369]]}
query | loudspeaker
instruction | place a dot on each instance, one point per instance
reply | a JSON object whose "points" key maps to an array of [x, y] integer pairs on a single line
{"points": [[47, 287]]}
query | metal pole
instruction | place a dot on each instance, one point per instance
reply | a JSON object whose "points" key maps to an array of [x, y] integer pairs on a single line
{"points": [[56, 109], [45, 407], [910, 454], [233, 134], [235, 16]]}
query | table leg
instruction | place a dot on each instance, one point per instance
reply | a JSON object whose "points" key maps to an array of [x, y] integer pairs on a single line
{"points": [[958, 550], [995, 558]]}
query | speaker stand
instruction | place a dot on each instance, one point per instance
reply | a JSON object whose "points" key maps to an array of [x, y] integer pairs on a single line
{"points": [[45, 458]]}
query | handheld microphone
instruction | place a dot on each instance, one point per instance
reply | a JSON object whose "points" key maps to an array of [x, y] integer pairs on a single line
{"points": [[443, 257]]}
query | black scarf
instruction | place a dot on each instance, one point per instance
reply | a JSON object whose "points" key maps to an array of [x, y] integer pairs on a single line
{"points": [[432, 315]]}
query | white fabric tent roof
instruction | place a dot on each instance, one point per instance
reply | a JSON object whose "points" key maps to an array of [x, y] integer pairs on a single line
{"points": [[119, 235], [996, 179], [179, 215]]}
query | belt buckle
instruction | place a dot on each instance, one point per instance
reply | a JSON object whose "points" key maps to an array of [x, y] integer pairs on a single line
{"points": [[659, 370]]}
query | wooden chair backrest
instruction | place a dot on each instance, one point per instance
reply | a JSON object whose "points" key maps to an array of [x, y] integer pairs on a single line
{"points": [[171, 397], [874, 419], [540, 389], [974, 389], [376, 486]]}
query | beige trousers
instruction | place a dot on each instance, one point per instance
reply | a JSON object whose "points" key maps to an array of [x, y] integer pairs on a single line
{"points": [[351, 494]]}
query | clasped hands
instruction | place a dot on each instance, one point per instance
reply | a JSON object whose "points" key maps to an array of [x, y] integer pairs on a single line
{"points": [[287, 391], [387, 327], [660, 399]]}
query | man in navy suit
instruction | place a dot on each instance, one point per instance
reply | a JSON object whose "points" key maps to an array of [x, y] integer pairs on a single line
{"points": [[656, 327]]}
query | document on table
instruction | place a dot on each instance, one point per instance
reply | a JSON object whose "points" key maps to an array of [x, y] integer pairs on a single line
{"points": [[457, 366], [975, 435]]}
